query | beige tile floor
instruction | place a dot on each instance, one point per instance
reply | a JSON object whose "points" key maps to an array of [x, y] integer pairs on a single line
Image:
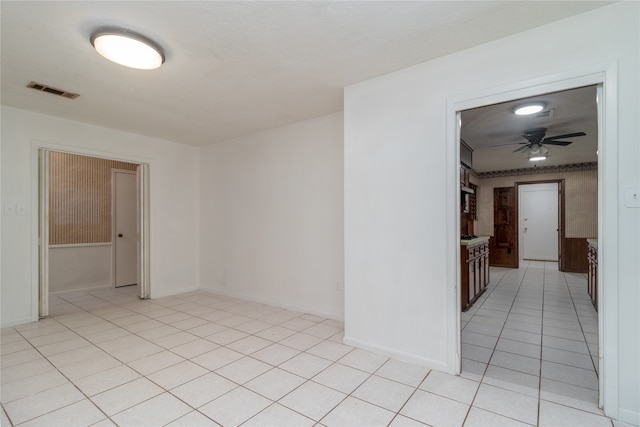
{"points": [[105, 358]]}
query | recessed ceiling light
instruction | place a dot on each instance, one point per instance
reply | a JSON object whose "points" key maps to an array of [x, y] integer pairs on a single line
{"points": [[531, 108], [128, 48]]}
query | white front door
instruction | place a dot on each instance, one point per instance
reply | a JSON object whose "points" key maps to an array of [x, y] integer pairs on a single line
{"points": [[125, 228], [538, 221]]}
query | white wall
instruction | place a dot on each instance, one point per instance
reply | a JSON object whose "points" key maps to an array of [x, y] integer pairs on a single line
{"points": [[271, 216], [397, 245], [79, 266], [173, 199]]}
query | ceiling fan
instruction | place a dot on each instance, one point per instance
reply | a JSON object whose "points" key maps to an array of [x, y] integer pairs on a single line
{"points": [[536, 140]]}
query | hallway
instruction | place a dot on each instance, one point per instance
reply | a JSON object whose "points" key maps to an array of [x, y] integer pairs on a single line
{"points": [[532, 342]]}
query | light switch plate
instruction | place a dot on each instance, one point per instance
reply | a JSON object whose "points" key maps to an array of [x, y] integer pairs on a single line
{"points": [[21, 210], [9, 209], [632, 196]]}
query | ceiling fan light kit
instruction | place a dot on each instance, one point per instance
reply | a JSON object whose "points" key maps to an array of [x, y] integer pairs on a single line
{"points": [[537, 157], [529, 108], [128, 48]]}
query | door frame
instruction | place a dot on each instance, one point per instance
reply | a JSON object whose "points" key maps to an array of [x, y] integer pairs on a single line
{"points": [[561, 213], [41, 236], [113, 222], [605, 77], [40, 220]]}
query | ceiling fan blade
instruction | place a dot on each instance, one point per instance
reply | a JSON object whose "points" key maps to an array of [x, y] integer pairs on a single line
{"points": [[563, 143], [504, 145], [567, 135], [532, 138], [521, 149], [534, 135]]}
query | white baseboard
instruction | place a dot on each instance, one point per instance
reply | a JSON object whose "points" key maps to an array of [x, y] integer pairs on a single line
{"points": [[83, 289], [16, 322], [399, 355], [629, 417], [173, 291], [301, 309]]}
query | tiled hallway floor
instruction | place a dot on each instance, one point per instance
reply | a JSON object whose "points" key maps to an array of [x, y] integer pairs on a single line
{"points": [[531, 340], [105, 358]]}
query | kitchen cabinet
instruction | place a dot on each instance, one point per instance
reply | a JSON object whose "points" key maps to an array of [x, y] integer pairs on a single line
{"points": [[504, 243], [474, 269], [468, 209], [592, 276]]}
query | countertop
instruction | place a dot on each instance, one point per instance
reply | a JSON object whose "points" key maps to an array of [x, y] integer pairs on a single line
{"points": [[477, 240]]}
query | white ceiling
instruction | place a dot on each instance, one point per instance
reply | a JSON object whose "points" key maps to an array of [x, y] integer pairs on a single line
{"points": [[494, 132], [235, 68]]}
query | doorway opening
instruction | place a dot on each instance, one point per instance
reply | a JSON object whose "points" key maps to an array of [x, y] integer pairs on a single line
{"points": [[516, 321], [76, 249]]}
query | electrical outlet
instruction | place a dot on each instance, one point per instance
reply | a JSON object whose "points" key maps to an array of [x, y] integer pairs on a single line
{"points": [[21, 210], [632, 196], [9, 209]]}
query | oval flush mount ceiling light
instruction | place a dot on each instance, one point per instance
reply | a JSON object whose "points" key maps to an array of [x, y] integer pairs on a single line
{"points": [[530, 108], [127, 48]]}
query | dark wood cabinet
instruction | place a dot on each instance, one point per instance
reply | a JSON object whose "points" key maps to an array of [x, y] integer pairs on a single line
{"points": [[468, 204], [504, 244], [592, 275], [572, 259], [474, 269]]}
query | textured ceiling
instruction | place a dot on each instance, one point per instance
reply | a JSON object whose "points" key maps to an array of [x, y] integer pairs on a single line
{"points": [[235, 68], [494, 132]]}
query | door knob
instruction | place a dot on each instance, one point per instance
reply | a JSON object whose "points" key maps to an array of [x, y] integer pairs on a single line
{"points": [[120, 235]]}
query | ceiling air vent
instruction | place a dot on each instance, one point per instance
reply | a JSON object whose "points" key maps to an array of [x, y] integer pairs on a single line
{"points": [[545, 114], [46, 88]]}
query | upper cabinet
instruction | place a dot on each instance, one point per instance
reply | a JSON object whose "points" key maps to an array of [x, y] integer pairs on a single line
{"points": [[466, 154], [467, 191]]}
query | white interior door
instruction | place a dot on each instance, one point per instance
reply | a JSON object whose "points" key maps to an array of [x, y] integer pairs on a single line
{"points": [[125, 228], [538, 209]]}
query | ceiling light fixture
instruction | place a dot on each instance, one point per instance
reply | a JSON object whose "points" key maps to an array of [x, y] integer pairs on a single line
{"points": [[538, 157], [127, 48], [530, 108]]}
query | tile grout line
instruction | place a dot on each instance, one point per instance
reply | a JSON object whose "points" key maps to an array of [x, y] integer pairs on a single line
{"points": [[65, 376], [544, 283], [582, 330], [146, 376], [84, 305], [246, 355], [409, 398], [231, 380], [122, 363], [541, 360], [494, 349], [96, 346]]}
